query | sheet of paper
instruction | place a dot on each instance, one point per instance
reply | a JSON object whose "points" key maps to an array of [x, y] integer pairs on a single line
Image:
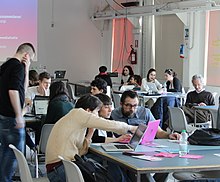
{"points": [[148, 158], [165, 154], [192, 156]]}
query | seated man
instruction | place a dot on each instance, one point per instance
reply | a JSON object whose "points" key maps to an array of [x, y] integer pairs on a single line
{"points": [[42, 89], [132, 114], [198, 97], [98, 86]]}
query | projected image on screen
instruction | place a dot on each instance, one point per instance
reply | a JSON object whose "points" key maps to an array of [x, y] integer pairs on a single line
{"points": [[18, 24]]}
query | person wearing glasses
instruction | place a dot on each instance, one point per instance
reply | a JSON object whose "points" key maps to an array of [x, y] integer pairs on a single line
{"points": [[173, 84], [131, 113]]}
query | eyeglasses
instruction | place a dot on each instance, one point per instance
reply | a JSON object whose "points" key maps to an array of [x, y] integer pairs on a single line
{"points": [[130, 105]]}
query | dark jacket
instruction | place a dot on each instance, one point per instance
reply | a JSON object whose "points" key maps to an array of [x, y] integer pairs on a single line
{"points": [[57, 108], [176, 84], [105, 77]]}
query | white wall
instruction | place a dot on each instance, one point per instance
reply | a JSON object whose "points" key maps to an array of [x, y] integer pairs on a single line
{"points": [[80, 46], [169, 36], [74, 43]]}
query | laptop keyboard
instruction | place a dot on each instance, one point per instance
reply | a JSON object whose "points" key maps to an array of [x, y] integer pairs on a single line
{"points": [[122, 147]]}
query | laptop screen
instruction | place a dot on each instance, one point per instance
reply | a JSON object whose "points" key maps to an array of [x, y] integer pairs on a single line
{"points": [[152, 86], [135, 140], [60, 73], [150, 132], [40, 105]]}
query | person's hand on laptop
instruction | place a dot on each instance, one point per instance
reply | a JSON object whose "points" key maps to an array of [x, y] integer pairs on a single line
{"points": [[174, 136], [124, 138]]}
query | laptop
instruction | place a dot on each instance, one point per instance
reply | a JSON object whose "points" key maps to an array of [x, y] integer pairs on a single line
{"points": [[60, 73], [126, 87], [150, 132], [40, 104], [152, 87], [131, 146]]}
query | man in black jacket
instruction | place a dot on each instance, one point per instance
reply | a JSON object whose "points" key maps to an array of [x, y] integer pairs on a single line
{"points": [[198, 97]]}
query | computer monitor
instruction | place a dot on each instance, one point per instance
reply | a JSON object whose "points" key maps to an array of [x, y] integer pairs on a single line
{"points": [[59, 74]]}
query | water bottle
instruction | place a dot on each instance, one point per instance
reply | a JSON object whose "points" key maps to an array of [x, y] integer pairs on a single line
{"points": [[165, 88], [183, 143]]}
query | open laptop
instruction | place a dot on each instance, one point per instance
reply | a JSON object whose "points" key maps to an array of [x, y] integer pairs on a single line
{"points": [[152, 87], [150, 132], [131, 146], [40, 104], [60, 73]]}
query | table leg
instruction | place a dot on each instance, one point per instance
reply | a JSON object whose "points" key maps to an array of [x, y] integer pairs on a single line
{"points": [[195, 118], [148, 177]]}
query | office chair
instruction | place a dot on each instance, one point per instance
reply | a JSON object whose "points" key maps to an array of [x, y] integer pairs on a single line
{"points": [[24, 170], [204, 176], [177, 120], [72, 171]]}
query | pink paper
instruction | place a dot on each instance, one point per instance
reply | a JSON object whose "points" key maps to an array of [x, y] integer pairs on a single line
{"points": [[191, 156], [165, 154]]}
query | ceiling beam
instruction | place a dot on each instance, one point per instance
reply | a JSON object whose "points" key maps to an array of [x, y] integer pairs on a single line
{"points": [[162, 9]]}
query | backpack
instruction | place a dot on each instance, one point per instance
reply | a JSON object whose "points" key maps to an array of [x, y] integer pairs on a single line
{"points": [[205, 136], [91, 170]]}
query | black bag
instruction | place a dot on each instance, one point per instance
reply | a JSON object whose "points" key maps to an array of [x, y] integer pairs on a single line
{"points": [[91, 170], [206, 136]]}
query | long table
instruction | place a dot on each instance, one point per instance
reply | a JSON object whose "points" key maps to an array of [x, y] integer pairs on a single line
{"points": [[166, 165], [144, 97]]}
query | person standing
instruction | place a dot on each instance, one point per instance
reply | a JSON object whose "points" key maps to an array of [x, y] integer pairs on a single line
{"points": [[13, 84], [104, 75]]}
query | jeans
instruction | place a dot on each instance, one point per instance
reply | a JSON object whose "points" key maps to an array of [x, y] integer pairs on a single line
{"points": [[57, 175], [9, 135], [160, 108]]}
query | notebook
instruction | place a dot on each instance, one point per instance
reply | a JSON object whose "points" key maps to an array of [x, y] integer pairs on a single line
{"points": [[131, 146], [152, 87], [40, 105], [150, 132]]}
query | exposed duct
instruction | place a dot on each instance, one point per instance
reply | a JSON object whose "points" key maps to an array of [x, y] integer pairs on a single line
{"points": [[170, 7]]}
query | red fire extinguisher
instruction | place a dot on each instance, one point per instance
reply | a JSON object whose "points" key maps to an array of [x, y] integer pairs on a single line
{"points": [[133, 56]]}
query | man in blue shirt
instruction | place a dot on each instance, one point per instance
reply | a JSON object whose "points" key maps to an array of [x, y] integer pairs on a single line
{"points": [[131, 113]]}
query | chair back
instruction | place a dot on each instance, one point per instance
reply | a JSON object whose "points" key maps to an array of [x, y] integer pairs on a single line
{"points": [[116, 99], [177, 119], [24, 170], [45, 133], [215, 95], [72, 171]]}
